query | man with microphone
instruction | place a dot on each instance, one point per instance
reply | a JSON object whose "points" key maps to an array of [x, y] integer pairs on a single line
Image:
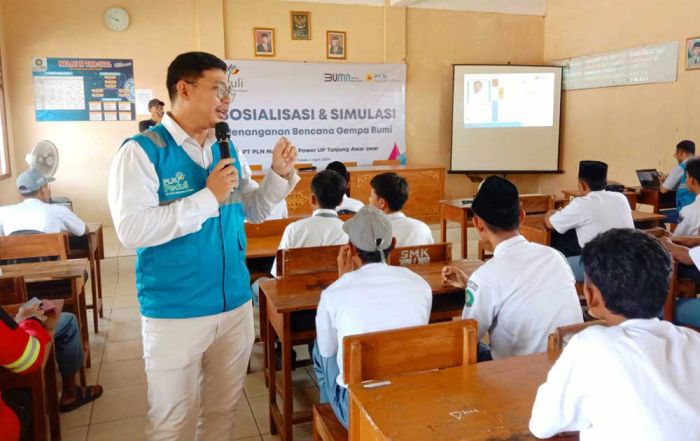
{"points": [[181, 205]]}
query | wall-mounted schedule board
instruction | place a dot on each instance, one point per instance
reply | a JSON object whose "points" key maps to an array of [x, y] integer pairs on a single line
{"points": [[657, 63]]}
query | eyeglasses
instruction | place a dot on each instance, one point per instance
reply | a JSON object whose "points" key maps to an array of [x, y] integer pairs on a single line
{"points": [[222, 91]]}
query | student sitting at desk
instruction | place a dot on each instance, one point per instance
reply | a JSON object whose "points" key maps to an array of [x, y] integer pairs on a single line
{"points": [[690, 214], [369, 296], [525, 291], [35, 213], [587, 216], [323, 228], [389, 193], [686, 251], [349, 205], [637, 379], [676, 179]]}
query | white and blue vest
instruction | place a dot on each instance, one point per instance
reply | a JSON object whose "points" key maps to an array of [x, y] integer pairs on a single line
{"points": [[683, 194], [202, 273]]}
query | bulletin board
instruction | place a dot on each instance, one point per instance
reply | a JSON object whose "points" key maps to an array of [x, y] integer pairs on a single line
{"points": [[83, 89], [656, 63]]}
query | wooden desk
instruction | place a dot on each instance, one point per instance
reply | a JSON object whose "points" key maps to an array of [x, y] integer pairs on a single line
{"points": [[484, 401], [265, 246], [281, 299], [42, 382], [456, 210], [657, 199], [72, 270], [426, 185]]}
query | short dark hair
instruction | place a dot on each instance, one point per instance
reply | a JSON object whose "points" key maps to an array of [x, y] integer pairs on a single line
{"points": [[328, 187], [374, 256], [392, 188], [189, 67], [498, 230], [692, 168], [631, 269], [687, 146], [339, 167], [595, 184]]}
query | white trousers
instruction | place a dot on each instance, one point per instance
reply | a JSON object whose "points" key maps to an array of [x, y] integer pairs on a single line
{"points": [[196, 369]]}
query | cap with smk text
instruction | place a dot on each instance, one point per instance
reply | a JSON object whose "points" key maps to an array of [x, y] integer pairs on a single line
{"points": [[497, 202], [155, 102], [369, 230], [31, 181]]}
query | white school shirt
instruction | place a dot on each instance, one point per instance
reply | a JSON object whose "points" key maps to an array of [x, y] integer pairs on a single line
{"points": [[690, 215], [375, 297], [140, 221], [637, 381], [33, 214], [674, 177], [592, 214], [520, 296], [409, 232], [350, 204], [323, 228]]}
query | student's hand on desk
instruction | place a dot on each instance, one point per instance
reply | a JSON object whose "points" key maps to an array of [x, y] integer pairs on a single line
{"points": [[659, 232], [344, 260], [454, 276], [223, 180], [30, 311], [284, 156]]}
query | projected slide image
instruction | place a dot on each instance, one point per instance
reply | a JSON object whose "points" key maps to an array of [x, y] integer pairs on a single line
{"points": [[509, 100]]}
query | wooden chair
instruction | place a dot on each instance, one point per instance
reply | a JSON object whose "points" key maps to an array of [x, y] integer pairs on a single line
{"points": [[384, 354], [12, 291], [54, 245], [386, 162], [34, 246], [421, 254], [679, 288], [561, 336], [307, 260], [255, 167]]}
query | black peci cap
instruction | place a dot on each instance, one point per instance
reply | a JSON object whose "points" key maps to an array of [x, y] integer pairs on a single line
{"points": [[497, 202]]}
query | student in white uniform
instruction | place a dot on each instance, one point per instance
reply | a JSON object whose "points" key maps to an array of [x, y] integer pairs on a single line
{"points": [[690, 214], [369, 296], [389, 193], [593, 213], [349, 205], [35, 213], [676, 180], [686, 251], [637, 379], [525, 291]]}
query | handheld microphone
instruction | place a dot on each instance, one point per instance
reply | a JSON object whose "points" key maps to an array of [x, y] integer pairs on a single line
{"points": [[223, 132]]}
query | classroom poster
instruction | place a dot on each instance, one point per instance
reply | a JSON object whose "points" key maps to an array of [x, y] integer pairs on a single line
{"points": [[331, 112], [83, 89]]}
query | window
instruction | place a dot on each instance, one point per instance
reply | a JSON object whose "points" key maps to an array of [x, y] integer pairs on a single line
{"points": [[4, 150]]}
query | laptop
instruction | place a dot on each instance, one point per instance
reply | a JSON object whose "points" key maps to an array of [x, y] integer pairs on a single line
{"points": [[649, 178]]}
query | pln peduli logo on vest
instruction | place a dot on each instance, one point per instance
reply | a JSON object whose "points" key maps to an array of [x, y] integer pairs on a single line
{"points": [[176, 185]]}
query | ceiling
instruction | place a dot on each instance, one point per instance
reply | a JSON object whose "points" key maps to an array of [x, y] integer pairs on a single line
{"points": [[527, 7]]}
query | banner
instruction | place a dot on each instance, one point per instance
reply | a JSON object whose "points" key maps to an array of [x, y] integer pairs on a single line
{"points": [[83, 89], [331, 112]]}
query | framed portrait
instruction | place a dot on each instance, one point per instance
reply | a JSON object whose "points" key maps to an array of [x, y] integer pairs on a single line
{"points": [[692, 46], [264, 42], [336, 45], [301, 25]]}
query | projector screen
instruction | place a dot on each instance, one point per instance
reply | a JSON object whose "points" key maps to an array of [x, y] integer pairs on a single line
{"points": [[505, 118]]}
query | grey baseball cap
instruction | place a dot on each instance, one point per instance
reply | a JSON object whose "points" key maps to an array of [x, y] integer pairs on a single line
{"points": [[369, 230], [31, 181]]}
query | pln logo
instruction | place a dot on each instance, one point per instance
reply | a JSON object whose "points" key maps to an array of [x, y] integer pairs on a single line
{"points": [[176, 185], [376, 77]]}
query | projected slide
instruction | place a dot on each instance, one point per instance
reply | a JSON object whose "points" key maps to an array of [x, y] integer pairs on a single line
{"points": [[509, 100]]}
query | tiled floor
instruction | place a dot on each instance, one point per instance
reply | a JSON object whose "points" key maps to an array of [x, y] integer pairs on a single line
{"points": [[119, 415]]}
